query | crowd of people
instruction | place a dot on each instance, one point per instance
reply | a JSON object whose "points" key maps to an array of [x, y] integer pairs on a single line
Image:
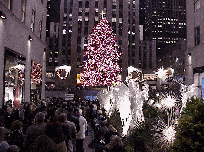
{"points": [[56, 125]]}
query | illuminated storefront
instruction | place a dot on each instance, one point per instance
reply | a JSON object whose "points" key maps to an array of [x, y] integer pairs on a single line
{"points": [[14, 78]]}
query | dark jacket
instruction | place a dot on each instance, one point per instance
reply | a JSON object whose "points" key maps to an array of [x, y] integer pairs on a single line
{"points": [[32, 133]]}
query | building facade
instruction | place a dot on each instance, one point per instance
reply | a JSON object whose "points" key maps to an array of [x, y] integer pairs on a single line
{"points": [[195, 43], [22, 50], [165, 22]]}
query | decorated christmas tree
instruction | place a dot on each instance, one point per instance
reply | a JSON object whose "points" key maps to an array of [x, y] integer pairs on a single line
{"points": [[101, 57]]}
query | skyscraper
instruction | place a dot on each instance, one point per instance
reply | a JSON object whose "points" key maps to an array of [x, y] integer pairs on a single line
{"points": [[165, 22]]}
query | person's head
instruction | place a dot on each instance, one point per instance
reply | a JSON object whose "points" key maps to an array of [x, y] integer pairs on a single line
{"points": [[103, 121], [17, 125], [54, 131], [69, 110], [40, 117], [33, 107], [80, 112], [13, 148], [76, 112], [62, 118], [2, 133]]}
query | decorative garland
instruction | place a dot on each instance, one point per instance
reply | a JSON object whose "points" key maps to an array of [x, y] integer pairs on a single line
{"points": [[21, 75], [36, 73], [60, 72]]}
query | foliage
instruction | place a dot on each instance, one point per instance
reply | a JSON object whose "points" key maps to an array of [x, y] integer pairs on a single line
{"points": [[115, 121], [142, 138], [190, 129]]}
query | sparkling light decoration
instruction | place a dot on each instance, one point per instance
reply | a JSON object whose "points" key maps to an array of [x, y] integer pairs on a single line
{"points": [[21, 72], [63, 69], [187, 92], [101, 67], [128, 100], [36, 72], [165, 135], [169, 134], [134, 73], [162, 74]]}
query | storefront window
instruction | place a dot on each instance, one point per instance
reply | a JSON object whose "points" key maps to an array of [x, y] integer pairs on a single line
{"points": [[14, 70]]}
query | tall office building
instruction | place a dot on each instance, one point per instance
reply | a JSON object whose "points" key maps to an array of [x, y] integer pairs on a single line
{"points": [[165, 22], [77, 18]]}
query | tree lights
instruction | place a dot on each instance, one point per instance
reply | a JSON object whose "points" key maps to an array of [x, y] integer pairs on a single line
{"points": [[101, 56]]}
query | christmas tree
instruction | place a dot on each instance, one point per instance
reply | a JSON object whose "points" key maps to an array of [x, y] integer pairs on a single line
{"points": [[101, 67]]}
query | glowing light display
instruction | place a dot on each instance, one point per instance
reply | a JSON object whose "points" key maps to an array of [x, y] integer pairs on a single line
{"points": [[169, 134], [36, 72], [127, 100], [101, 67], [63, 71], [19, 71]]}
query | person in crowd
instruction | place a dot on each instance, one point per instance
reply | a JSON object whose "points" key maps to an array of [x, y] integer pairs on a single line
{"points": [[16, 136], [100, 135], [52, 141], [69, 130], [111, 131], [81, 133], [8, 116], [21, 112], [115, 145], [34, 131], [75, 120], [4, 146]]}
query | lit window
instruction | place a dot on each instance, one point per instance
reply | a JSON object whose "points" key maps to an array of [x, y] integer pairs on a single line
{"points": [[120, 20], [113, 19], [50, 59], [96, 18], [79, 18], [64, 31], [86, 19]]}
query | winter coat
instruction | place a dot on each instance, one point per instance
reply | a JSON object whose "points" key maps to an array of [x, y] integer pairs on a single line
{"points": [[83, 128]]}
